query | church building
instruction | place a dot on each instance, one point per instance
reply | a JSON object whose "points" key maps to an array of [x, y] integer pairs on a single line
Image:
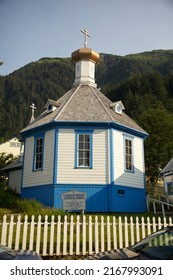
{"points": [[85, 142]]}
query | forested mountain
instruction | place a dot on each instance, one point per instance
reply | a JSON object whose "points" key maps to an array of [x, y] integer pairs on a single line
{"points": [[142, 81]]}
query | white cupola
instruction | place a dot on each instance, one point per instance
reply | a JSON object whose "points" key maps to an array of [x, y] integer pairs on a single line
{"points": [[85, 60]]}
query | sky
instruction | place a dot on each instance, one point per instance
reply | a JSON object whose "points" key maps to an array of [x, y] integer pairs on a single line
{"points": [[33, 29]]}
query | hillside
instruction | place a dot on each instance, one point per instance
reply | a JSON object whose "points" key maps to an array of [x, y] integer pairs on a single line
{"points": [[118, 68], [131, 78]]}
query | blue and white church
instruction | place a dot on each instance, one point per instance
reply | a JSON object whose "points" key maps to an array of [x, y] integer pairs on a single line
{"points": [[84, 142]]}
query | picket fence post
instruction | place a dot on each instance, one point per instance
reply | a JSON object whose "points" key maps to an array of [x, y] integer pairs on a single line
{"points": [[84, 224], [4, 230], [52, 224], [164, 222], [120, 232], [126, 232], [39, 223], [102, 234], [58, 238], [90, 236], [148, 226], [143, 227], [10, 236], [96, 234], [114, 225], [32, 225], [132, 238], [71, 235], [78, 235], [137, 229], [108, 234], [65, 236], [45, 231], [159, 223], [170, 221], [18, 227]]}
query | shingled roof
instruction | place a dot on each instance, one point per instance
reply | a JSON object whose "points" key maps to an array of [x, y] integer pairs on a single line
{"points": [[84, 103], [17, 164], [168, 168]]}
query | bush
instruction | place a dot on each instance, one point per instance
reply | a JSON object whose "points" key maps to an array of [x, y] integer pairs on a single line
{"points": [[8, 199], [5, 159], [28, 205]]}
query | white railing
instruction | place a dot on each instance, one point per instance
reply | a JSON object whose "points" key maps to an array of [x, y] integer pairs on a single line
{"points": [[162, 201], [76, 235]]}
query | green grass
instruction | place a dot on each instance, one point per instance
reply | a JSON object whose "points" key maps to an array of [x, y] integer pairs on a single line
{"points": [[11, 203]]}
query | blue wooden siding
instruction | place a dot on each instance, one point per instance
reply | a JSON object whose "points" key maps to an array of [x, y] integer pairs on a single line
{"points": [[99, 198], [127, 199], [44, 194]]}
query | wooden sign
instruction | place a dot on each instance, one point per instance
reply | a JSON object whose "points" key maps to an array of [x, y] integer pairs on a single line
{"points": [[74, 200]]}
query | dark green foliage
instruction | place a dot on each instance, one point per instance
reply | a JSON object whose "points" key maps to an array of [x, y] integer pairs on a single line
{"points": [[36, 82], [2, 95], [159, 145], [157, 60], [5, 159], [142, 92]]}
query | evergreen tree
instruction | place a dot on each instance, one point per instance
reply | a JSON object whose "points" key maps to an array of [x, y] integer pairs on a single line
{"points": [[159, 144]]}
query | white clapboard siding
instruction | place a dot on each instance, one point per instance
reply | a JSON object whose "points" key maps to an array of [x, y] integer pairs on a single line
{"points": [[66, 159], [76, 235], [136, 178], [45, 176], [14, 180], [118, 153]]}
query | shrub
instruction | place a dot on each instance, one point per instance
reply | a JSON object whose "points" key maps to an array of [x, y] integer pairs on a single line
{"points": [[8, 199]]}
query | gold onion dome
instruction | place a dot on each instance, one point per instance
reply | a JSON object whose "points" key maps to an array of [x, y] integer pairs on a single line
{"points": [[85, 54]]}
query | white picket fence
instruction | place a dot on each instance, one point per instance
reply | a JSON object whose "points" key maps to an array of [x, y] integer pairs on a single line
{"points": [[76, 235]]}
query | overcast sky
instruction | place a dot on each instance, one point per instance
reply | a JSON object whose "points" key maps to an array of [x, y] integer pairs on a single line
{"points": [[32, 29]]}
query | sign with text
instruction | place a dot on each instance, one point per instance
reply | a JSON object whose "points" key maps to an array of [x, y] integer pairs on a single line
{"points": [[74, 200]]}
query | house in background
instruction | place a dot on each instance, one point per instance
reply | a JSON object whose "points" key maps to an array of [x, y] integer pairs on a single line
{"points": [[11, 147], [14, 170], [14, 173], [87, 143], [167, 174]]}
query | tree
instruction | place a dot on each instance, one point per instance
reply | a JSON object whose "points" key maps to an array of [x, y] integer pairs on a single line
{"points": [[5, 159], [159, 144]]}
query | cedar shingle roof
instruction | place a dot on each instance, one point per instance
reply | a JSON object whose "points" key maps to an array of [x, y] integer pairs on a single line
{"points": [[84, 104]]}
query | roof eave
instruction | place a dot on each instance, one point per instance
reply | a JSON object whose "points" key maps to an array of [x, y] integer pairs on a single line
{"points": [[60, 124]]}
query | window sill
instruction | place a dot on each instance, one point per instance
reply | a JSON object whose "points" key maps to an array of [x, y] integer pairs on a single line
{"points": [[129, 171], [83, 167], [37, 170]]}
